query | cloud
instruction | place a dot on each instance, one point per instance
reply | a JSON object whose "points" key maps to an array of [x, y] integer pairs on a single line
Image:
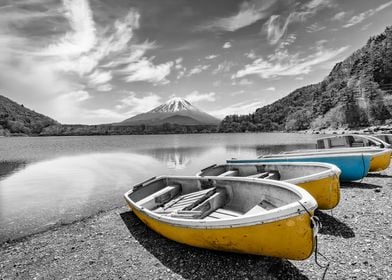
{"points": [[145, 70], [339, 16], [223, 67], [79, 96], [281, 63], [57, 61], [251, 54], [362, 16], [135, 105], [195, 97], [271, 89], [315, 27], [241, 108], [287, 41], [179, 60], [226, 45], [366, 26], [276, 28], [99, 77], [82, 36], [243, 82], [249, 13], [212, 56], [104, 87], [277, 25], [197, 69]]}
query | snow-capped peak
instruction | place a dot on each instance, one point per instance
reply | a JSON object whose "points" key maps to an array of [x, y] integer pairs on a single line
{"points": [[175, 104]]}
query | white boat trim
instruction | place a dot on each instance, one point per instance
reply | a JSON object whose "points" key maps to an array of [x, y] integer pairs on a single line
{"points": [[331, 170]]}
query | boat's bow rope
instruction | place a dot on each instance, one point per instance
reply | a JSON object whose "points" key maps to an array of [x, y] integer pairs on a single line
{"points": [[316, 225]]}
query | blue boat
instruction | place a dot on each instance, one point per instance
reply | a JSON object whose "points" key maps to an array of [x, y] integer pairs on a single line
{"points": [[353, 166]]}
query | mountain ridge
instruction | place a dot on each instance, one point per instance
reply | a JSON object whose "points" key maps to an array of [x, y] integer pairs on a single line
{"points": [[174, 111], [356, 93], [15, 119]]}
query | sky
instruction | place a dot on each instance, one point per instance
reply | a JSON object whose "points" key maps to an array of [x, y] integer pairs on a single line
{"points": [[99, 61]]}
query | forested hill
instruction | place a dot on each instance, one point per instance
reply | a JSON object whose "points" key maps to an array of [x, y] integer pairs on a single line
{"points": [[356, 93], [16, 119]]}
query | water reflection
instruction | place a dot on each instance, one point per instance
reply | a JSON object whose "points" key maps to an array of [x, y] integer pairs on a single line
{"points": [[47, 181], [67, 188], [179, 157]]}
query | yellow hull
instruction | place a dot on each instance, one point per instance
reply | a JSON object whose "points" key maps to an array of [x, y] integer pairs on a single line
{"points": [[290, 238], [326, 191], [380, 162]]}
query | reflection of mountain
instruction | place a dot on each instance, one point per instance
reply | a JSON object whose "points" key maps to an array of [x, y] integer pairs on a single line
{"points": [[177, 158]]}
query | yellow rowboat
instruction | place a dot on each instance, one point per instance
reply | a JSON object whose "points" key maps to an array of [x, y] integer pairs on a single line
{"points": [[380, 157], [321, 180], [242, 215]]}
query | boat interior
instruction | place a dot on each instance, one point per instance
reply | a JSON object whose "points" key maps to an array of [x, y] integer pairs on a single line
{"points": [[263, 171], [210, 199]]}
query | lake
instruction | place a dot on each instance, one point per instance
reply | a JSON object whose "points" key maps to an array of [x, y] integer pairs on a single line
{"points": [[47, 181]]}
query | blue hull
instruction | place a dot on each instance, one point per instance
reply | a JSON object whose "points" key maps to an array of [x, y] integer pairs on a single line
{"points": [[353, 166]]}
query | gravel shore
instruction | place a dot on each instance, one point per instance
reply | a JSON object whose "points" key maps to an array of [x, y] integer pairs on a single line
{"points": [[356, 238]]}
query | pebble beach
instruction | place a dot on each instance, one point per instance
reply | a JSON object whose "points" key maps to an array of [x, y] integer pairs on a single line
{"points": [[356, 239]]}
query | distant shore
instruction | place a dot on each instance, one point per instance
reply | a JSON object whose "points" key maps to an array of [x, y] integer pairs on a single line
{"points": [[355, 237], [327, 131]]}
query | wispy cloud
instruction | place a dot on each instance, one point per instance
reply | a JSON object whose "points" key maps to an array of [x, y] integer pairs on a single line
{"points": [[249, 13], [99, 77], [197, 69], [243, 82], [212, 56], [223, 67], [133, 105], [277, 24], [315, 27], [195, 97], [362, 16], [339, 16], [226, 45], [276, 27], [241, 108], [82, 36], [146, 70], [284, 64], [79, 96], [65, 68]]}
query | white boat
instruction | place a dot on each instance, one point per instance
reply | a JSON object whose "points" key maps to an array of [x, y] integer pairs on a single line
{"points": [[350, 141]]}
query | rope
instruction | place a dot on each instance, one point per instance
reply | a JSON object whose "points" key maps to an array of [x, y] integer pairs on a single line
{"points": [[316, 226]]}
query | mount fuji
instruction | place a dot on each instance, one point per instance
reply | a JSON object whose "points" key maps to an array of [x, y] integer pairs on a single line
{"points": [[175, 111]]}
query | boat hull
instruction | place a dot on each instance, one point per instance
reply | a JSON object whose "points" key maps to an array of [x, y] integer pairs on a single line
{"points": [[290, 238], [326, 191], [380, 161], [353, 167]]}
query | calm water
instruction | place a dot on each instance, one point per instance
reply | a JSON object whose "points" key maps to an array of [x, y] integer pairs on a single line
{"points": [[54, 180]]}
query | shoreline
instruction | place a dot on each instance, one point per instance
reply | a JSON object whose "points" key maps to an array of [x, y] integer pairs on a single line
{"points": [[355, 237], [321, 131]]}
